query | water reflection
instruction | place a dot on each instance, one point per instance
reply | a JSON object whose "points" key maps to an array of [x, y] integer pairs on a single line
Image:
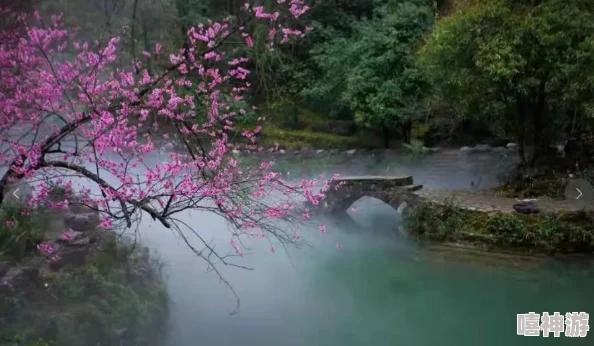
{"points": [[379, 288]]}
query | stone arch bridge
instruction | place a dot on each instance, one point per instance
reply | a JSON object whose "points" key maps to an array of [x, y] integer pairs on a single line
{"points": [[396, 191], [400, 192]]}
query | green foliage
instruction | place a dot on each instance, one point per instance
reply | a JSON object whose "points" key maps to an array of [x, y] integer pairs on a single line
{"points": [[23, 235], [374, 71], [572, 232], [434, 222], [120, 291], [506, 229], [525, 69], [303, 139], [415, 148]]}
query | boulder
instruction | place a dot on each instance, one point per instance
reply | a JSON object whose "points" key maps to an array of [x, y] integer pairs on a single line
{"points": [[466, 149], [499, 149], [512, 146], [483, 147], [321, 151], [351, 152], [19, 279], [527, 206], [81, 222]]}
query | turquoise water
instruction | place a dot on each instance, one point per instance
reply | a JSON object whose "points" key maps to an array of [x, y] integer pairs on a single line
{"points": [[380, 288]]}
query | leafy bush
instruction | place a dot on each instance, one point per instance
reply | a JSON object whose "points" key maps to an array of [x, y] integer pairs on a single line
{"points": [[416, 148], [506, 228], [571, 232], [434, 221], [19, 233]]}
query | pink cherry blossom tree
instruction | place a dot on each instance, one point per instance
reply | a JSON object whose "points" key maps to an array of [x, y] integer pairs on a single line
{"points": [[68, 113]]}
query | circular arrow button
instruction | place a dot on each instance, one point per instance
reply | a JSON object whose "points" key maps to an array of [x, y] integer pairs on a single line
{"points": [[579, 189]]}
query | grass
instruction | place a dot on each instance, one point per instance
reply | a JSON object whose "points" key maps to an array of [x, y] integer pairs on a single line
{"points": [[553, 188], [296, 128], [563, 232], [305, 139]]}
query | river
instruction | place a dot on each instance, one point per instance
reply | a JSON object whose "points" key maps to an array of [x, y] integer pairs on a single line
{"points": [[361, 283]]}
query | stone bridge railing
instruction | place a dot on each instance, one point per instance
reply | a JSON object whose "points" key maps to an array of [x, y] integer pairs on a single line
{"points": [[391, 190]]}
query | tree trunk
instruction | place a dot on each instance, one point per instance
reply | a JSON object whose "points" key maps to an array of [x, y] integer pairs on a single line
{"points": [[521, 130], [147, 46], [406, 129], [541, 137], [133, 29], [386, 136]]}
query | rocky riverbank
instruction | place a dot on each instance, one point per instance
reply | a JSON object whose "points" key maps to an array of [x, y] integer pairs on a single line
{"points": [[63, 281], [570, 231]]}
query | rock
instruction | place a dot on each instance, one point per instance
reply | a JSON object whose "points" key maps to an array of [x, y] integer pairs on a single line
{"points": [[18, 279], [17, 194], [512, 146], [483, 147], [526, 207], [71, 256], [402, 207], [4, 268], [235, 151], [80, 241], [351, 152], [560, 150], [466, 149], [74, 237], [11, 280], [319, 152], [499, 149], [80, 222], [282, 151]]}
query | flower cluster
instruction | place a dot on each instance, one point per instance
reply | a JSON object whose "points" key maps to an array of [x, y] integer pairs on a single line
{"points": [[111, 111], [45, 249]]}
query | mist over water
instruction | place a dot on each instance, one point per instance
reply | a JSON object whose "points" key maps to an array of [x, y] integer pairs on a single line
{"points": [[379, 289]]}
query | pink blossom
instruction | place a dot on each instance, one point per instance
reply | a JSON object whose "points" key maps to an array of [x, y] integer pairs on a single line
{"points": [[10, 223], [67, 236], [45, 249], [322, 229], [111, 107]]}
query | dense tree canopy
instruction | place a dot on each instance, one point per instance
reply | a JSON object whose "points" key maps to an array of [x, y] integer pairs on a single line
{"points": [[523, 67], [374, 71]]}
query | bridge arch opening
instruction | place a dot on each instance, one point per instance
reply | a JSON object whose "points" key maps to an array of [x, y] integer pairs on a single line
{"points": [[372, 212]]}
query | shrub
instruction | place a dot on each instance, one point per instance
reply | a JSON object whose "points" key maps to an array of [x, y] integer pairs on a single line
{"points": [[118, 295], [19, 234]]}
